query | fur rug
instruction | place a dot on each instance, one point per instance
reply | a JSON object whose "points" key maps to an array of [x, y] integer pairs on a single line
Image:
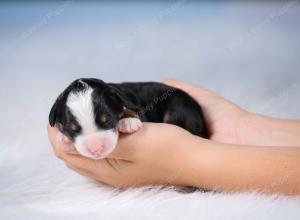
{"points": [[44, 188]]}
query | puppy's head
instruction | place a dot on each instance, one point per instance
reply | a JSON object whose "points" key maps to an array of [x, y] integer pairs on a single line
{"points": [[87, 112]]}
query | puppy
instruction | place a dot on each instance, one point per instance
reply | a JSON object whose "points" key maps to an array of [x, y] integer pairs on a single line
{"points": [[90, 113]]}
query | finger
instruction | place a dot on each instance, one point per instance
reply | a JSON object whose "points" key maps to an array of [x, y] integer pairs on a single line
{"points": [[121, 153], [81, 171], [66, 140], [60, 142], [130, 146], [126, 146], [52, 132], [101, 167], [203, 96], [91, 175], [65, 143], [103, 170], [125, 149], [80, 162], [179, 84], [189, 88]]}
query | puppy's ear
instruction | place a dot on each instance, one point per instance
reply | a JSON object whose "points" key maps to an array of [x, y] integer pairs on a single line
{"points": [[59, 105], [52, 115], [129, 113], [56, 108], [128, 109]]}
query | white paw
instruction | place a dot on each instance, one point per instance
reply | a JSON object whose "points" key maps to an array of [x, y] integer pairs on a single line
{"points": [[129, 125]]}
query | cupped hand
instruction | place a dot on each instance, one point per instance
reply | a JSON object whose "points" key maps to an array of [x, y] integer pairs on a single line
{"points": [[158, 153], [224, 118], [151, 156]]}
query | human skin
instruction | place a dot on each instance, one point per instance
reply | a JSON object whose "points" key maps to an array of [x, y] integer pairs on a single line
{"points": [[245, 152]]}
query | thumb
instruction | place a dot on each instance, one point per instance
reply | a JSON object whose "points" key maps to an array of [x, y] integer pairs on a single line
{"points": [[130, 145], [65, 143], [59, 142], [125, 147], [189, 88], [179, 84], [201, 95]]}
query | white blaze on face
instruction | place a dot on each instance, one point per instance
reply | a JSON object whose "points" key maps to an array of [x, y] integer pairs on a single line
{"points": [[81, 106], [92, 142]]}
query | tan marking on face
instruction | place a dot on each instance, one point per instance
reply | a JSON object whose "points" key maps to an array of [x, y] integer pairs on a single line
{"points": [[73, 126], [103, 118]]}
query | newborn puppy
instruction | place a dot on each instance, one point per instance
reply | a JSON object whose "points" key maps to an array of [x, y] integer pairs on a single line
{"points": [[90, 113]]}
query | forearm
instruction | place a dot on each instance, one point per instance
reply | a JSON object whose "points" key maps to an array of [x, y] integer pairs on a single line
{"points": [[231, 168], [261, 130]]}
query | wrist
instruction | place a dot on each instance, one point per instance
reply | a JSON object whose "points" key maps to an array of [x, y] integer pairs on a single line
{"points": [[197, 162], [247, 128], [259, 130]]}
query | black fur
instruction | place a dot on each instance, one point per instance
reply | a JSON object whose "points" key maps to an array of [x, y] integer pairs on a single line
{"points": [[150, 101]]}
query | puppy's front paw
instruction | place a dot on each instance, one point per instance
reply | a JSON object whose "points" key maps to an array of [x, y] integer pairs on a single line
{"points": [[129, 125]]}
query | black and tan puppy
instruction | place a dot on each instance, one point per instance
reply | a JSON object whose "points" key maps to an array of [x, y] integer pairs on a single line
{"points": [[90, 113]]}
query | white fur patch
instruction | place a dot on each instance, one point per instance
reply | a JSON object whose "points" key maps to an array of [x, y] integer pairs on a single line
{"points": [[81, 106]]}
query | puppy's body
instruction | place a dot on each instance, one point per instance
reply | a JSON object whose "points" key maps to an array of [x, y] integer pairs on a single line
{"points": [[90, 112], [157, 102]]}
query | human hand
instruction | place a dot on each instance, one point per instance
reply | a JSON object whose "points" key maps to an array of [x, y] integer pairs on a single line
{"points": [[151, 156], [148, 156], [165, 154], [224, 118]]}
